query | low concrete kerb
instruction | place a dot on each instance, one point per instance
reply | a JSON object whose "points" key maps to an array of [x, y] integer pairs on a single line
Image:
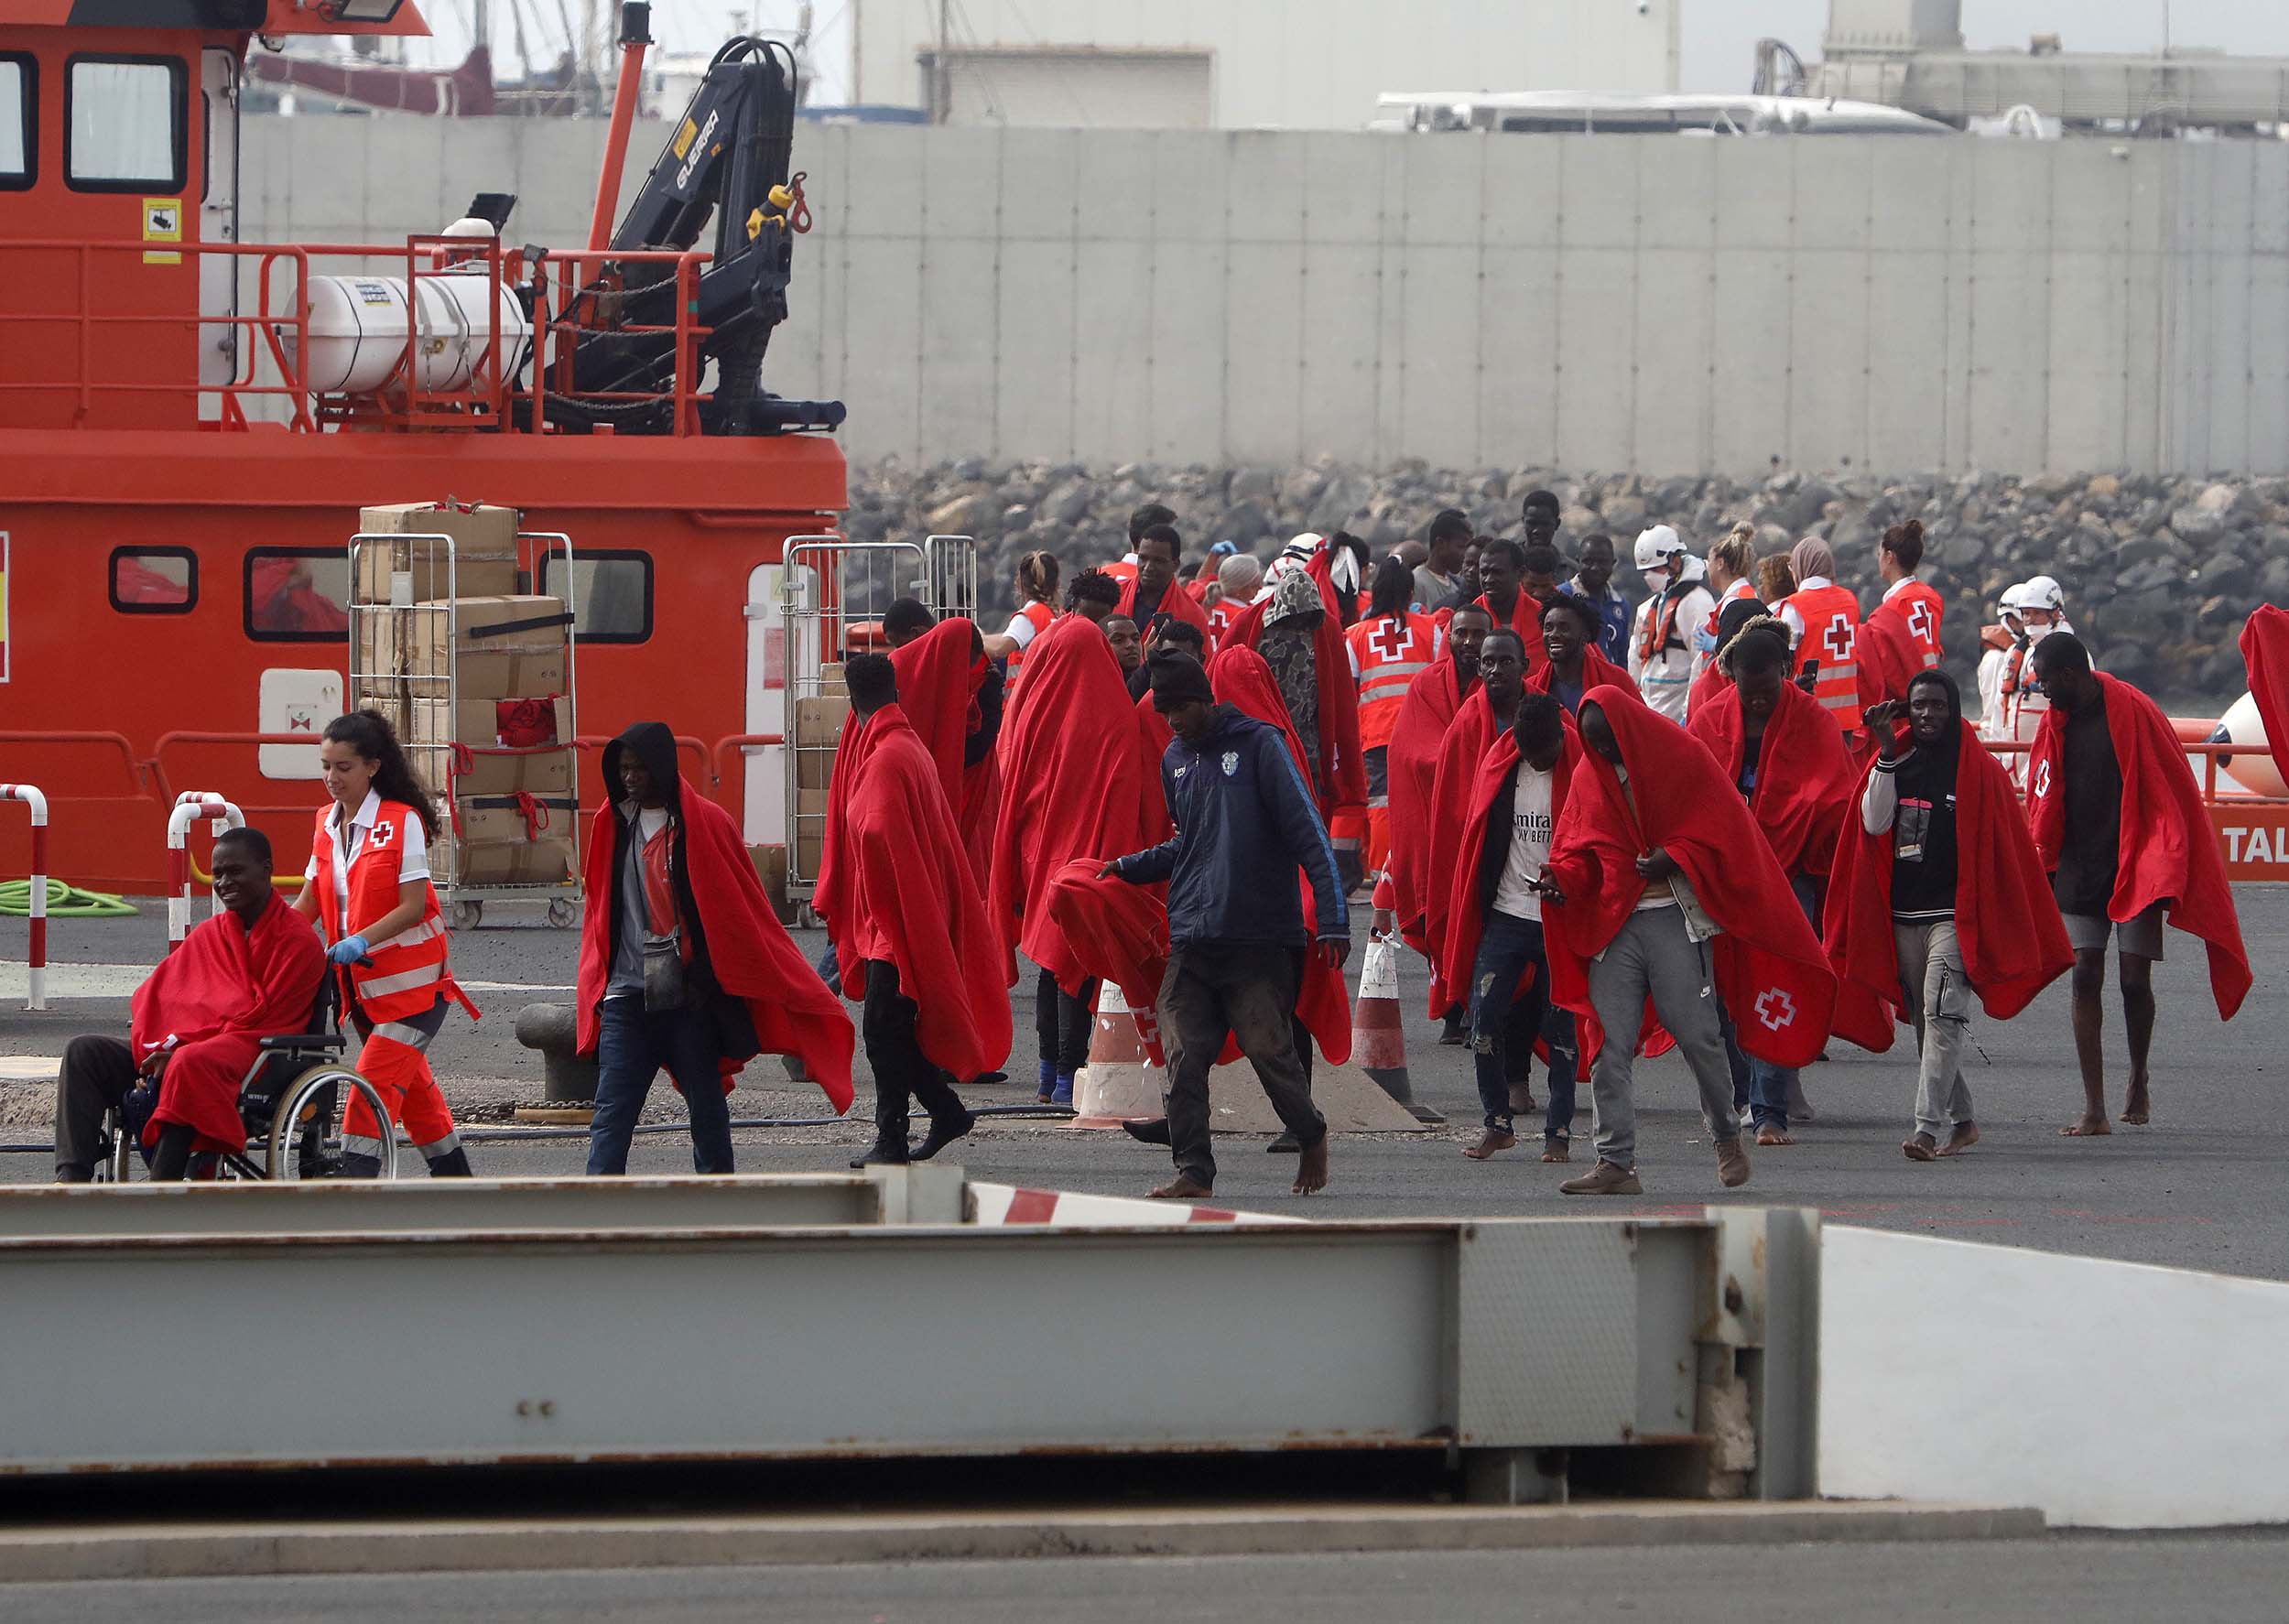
{"points": [[220, 1550]]}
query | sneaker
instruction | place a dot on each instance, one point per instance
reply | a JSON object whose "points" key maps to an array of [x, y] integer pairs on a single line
{"points": [[1732, 1163], [1062, 1094], [1605, 1179]]}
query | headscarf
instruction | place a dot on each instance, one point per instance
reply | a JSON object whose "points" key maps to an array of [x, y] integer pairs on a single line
{"points": [[1812, 557], [1293, 593]]}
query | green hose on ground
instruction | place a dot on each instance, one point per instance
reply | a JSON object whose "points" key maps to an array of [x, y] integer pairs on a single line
{"points": [[64, 902]]}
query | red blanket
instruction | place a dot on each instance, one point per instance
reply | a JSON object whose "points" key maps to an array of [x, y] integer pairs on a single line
{"points": [[1244, 682], [1412, 772], [939, 674], [1176, 601], [1886, 655], [1705, 687], [210, 1003], [2006, 922], [1078, 784], [1342, 768], [2169, 851], [903, 892], [1803, 776], [1771, 970], [1461, 751], [1466, 922], [749, 952], [2265, 650], [1597, 671], [1526, 618]]}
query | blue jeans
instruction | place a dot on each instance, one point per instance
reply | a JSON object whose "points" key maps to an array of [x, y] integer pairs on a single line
{"points": [[631, 1050], [1770, 1085], [1504, 1019]]}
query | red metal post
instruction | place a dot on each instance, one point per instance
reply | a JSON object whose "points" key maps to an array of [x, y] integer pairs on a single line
{"points": [[635, 33]]}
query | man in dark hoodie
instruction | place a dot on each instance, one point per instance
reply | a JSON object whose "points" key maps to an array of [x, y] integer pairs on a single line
{"points": [[1245, 821], [667, 983]]}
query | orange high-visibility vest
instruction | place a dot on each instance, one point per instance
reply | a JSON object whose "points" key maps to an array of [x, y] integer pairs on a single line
{"points": [[408, 971], [1922, 608], [1832, 636], [1041, 614], [1392, 651]]}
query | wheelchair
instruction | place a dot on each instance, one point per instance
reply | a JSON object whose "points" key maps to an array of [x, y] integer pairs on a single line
{"points": [[292, 1100]]}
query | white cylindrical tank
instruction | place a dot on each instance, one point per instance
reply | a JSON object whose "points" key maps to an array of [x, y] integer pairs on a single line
{"points": [[358, 329], [2259, 773]]}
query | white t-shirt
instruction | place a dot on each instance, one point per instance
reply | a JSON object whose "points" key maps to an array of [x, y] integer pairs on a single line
{"points": [[413, 861], [1021, 629], [1530, 831]]}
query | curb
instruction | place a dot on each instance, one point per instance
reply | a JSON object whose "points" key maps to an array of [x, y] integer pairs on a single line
{"points": [[217, 1550]]}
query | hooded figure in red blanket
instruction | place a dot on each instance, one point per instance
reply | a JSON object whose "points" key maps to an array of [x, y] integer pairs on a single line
{"points": [[1070, 791], [1786, 754], [1237, 934], [1571, 663], [910, 931], [1483, 717], [250, 972], [2120, 824], [1495, 924], [1660, 898], [1416, 737], [953, 697], [1936, 893], [684, 968], [2265, 650], [1298, 630], [1154, 590]]}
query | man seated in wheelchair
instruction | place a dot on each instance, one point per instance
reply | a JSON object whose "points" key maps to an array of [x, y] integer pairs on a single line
{"points": [[250, 972]]}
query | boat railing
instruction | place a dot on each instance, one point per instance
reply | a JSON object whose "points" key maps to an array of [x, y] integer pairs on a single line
{"points": [[512, 377]]}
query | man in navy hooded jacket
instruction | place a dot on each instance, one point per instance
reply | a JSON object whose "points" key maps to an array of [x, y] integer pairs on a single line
{"points": [[1245, 822]]}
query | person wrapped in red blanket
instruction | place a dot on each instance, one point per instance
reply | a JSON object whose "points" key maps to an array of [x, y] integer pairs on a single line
{"points": [[954, 698], [2265, 651], [2120, 822], [1660, 897], [1417, 738], [1481, 718], [1785, 751], [1571, 663], [1936, 893], [667, 878], [1153, 589], [911, 932], [252, 971]]}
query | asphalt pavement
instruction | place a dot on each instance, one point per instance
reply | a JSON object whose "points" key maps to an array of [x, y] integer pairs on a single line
{"points": [[2086, 1579], [2204, 1186]]}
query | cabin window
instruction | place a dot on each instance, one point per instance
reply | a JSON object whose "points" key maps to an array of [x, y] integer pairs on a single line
{"points": [[297, 594], [126, 119], [154, 580], [18, 127], [611, 593]]}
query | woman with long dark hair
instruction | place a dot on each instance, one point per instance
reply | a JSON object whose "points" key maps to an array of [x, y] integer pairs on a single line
{"points": [[368, 887]]}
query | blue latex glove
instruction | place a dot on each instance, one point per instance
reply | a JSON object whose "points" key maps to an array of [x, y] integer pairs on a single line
{"points": [[1705, 641], [348, 950]]}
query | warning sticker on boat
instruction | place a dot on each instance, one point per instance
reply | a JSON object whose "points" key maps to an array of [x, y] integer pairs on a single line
{"points": [[684, 139], [162, 222]]}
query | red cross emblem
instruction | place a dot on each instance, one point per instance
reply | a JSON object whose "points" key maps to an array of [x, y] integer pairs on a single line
{"points": [[1392, 639], [1776, 1009], [1838, 638], [1919, 620], [383, 833]]}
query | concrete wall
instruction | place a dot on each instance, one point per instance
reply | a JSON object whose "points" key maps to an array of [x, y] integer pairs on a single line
{"points": [[1661, 304]]}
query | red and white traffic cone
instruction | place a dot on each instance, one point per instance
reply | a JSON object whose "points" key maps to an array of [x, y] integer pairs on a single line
{"points": [[1378, 1040], [1121, 1079]]}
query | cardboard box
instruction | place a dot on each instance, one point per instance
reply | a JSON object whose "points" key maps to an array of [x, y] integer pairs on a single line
{"points": [[819, 721], [534, 772], [510, 673], [476, 723], [771, 869], [484, 550], [814, 768], [544, 862], [830, 678], [514, 623]]}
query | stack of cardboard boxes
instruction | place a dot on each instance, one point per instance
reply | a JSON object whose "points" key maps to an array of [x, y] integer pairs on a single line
{"points": [[818, 720], [475, 674]]}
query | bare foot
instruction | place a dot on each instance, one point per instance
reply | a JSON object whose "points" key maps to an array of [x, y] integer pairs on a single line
{"points": [[2091, 1126], [1494, 1140], [1965, 1136], [1769, 1134], [1183, 1187], [1556, 1150], [2137, 1111], [1311, 1169], [1922, 1148]]}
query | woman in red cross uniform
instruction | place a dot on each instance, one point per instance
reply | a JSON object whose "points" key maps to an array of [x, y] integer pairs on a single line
{"points": [[1390, 646]]}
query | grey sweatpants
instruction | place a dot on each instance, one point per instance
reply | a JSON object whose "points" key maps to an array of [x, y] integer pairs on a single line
{"points": [[1939, 1001], [1652, 955]]}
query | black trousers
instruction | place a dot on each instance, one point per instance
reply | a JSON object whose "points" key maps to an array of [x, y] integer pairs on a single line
{"points": [[1063, 1023], [96, 1075], [1246, 991], [901, 1072]]}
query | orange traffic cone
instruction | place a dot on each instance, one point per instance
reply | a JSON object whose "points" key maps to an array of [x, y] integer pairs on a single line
{"points": [[1120, 1079], [1378, 1040]]}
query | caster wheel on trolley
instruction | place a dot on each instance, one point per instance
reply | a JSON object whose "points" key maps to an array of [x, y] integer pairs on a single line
{"points": [[468, 915], [561, 913]]}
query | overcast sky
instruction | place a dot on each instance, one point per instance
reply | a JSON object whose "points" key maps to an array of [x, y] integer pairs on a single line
{"points": [[1719, 41]]}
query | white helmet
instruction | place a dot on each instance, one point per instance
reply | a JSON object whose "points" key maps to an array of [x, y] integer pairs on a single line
{"points": [[1658, 548], [2013, 599], [2043, 592]]}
